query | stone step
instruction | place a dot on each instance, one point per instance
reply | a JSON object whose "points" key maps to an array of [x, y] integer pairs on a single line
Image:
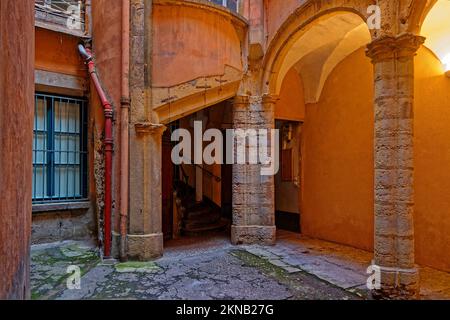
{"points": [[191, 204], [198, 213], [210, 218], [201, 229]]}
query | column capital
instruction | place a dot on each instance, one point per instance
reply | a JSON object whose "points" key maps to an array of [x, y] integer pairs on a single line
{"points": [[243, 99], [146, 128], [264, 99], [389, 47], [270, 98]]}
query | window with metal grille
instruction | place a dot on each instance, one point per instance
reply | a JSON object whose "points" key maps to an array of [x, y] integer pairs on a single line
{"points": [[59, 149]]}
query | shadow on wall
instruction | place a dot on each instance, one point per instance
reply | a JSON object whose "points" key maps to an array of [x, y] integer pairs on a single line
{"points": [[432, 158], [338, 157]]}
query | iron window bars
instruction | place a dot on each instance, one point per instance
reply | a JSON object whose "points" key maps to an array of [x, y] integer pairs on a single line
{"points": [[59, 149]]}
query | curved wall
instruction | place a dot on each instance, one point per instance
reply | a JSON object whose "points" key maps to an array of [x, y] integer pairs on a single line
{"points": [[291, 103], [192, 42]]}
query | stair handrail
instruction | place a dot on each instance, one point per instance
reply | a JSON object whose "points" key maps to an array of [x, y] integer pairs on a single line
{"points": [[185, 175], [217, 178]]}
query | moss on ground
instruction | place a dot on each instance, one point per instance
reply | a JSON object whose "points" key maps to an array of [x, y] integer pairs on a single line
{"points": [[301, 284], [49, 268], [136, 266]]}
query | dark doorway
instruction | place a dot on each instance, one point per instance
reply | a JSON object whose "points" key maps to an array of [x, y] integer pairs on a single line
{"points": [[227, 198], [288, 180], [167, 186], [226, 188]]}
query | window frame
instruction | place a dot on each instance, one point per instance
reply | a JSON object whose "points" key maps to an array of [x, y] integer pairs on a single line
{"points": [[50, 194], [227, 4], [48, 11]]}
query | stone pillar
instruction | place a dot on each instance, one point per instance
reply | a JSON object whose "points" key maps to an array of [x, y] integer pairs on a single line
{"points": [[253, 193], [393, 60], [145, 238]]}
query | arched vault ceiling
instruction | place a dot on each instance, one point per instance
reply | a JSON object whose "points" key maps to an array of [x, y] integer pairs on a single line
{"points": [[318, 50], [436, 29]]}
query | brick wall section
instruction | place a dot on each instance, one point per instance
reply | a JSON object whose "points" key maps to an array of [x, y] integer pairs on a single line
{"points": [[16, 130]]}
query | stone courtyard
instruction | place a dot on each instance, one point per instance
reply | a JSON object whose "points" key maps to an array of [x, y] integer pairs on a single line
{"points": [[205, 268]]}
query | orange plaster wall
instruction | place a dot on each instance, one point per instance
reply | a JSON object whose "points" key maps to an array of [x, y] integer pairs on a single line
{"points": [[107, 45], [277, 13], [107, 48], [57, 52], [16, 126], [432, 162], [192, 43], [291, 103], [338, 157]]}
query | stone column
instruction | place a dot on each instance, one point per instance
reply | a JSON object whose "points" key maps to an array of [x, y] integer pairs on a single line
{"points": [[253, 193], [393, 60], [145, 238]]}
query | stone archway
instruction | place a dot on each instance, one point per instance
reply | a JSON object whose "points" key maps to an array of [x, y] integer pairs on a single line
{"points": [[391, 51], [253, 196], [296, 26], [415, 12], [314, 53], [435, 27], [316, 49]]}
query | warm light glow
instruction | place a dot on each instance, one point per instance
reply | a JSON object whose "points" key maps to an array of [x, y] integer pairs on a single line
{"points": [[446, 63], [436, 30]]}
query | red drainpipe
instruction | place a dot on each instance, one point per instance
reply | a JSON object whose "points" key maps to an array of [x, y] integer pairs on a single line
{"points": [[109, 146]]}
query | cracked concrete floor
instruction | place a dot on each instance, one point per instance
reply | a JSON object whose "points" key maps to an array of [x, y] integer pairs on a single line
{"points": [[297, 267], [192, 269]]}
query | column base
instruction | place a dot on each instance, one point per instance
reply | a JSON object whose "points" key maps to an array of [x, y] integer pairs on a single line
{"points": [[398, 284], [115, 245], [265, 235], [145, 247]]}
